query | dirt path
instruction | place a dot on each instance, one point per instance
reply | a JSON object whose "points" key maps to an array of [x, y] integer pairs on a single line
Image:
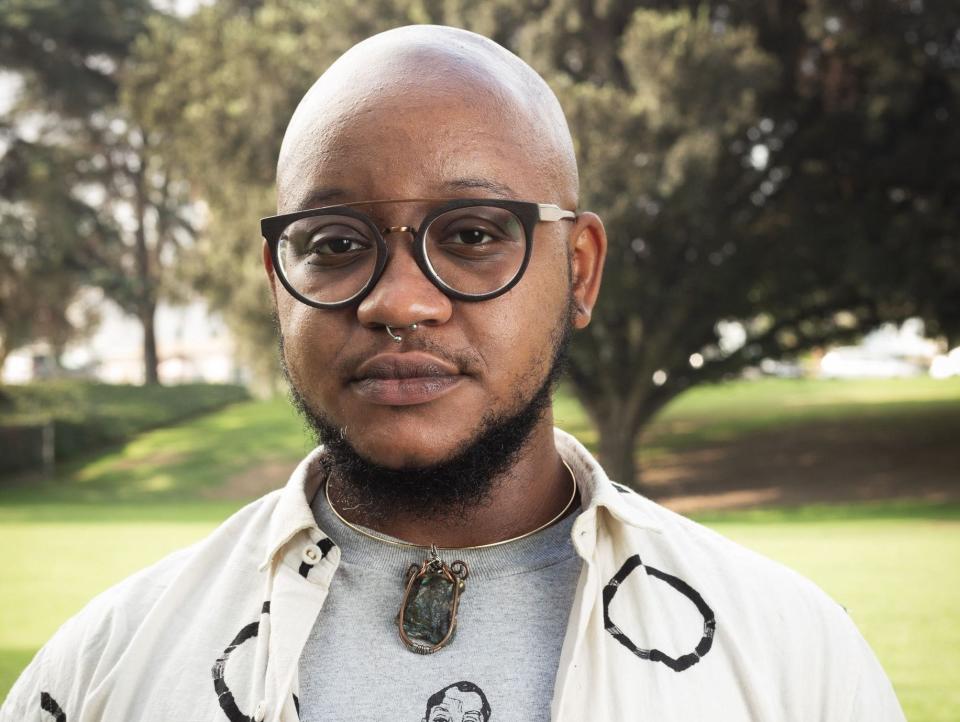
{"points": [[808, 464], [827, 463]]}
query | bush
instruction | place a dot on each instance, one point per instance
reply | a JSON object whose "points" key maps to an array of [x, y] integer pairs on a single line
{"points": [[89, 415]]}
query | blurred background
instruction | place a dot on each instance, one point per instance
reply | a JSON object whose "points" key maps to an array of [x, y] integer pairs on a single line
{"points": [[776, 351]]}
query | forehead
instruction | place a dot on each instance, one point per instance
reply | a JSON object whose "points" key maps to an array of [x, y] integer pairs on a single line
{"points": [[418, 143], [454, 699]]}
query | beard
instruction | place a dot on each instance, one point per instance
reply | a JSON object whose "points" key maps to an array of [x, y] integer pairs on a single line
{"points": [[465, 479]]}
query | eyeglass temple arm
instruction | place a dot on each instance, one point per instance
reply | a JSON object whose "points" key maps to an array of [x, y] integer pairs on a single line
{"points": [[550, 212]]}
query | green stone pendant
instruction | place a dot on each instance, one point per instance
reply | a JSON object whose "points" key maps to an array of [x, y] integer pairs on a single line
{"points": [[428, 613]]}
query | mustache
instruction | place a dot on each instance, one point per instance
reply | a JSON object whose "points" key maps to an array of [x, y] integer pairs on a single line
{"points": [[466, 359]]}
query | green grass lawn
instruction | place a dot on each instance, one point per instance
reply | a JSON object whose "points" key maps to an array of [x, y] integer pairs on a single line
{"points": [[724, 412], [894, 565], [898, 578]]}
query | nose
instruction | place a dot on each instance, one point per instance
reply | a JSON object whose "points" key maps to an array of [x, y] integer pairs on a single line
{"points": [[403, 295]]}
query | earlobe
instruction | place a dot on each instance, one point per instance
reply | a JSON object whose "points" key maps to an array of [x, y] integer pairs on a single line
{"points": [[268, 267], [588, 252]]}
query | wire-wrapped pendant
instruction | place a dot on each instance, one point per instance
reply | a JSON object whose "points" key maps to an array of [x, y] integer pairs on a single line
{"points": [[428, 612]]}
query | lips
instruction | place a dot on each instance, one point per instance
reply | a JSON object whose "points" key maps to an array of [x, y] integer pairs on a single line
{"points": [[405, 379]]}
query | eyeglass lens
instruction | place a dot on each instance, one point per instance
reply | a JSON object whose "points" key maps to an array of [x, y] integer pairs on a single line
{"points": [[473, 250]]}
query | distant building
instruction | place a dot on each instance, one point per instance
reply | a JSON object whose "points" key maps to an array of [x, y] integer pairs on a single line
{"points": [[888, 352], [193, 346]]}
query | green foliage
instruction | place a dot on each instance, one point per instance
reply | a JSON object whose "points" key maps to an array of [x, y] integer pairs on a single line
{"points": [[768, 163], [73, 47], [83, 184], [37, 271], [87, 416], [122, 410], [791, 167]]}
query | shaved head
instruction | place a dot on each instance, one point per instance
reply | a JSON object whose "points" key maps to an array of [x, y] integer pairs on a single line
{"points": [[423, 70], [401, 128]]}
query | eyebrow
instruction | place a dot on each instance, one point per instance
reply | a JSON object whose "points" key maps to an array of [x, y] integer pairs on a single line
{"points": [[320, 197], [468, 183]]}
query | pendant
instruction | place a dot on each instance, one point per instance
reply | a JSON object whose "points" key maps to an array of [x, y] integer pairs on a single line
{"points": [[428, 612]]}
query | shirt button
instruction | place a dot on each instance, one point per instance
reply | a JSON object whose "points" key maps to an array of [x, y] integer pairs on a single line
{"points": [[260, 712], [310, 555]]}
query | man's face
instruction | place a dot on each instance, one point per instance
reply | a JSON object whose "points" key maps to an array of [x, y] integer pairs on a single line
{"points": [[458, 706], [439, 143]]}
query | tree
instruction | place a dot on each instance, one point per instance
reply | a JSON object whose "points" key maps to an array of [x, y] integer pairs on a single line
{"points": [[40, 274], [101, 166], [770, 165], [763, 163], [219, 87]]}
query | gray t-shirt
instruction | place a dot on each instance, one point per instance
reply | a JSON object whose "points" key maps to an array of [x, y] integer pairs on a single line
{"points": [[501, 664]]}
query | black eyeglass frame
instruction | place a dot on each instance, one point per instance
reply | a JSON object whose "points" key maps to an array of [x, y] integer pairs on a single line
{"points": [[527, 212]]}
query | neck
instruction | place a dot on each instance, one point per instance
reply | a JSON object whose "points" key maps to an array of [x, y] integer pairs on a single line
{"points": [[530, 493]]}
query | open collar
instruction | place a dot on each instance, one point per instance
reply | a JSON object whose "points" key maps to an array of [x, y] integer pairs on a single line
{"points": [[292, 513], [598, 491]]}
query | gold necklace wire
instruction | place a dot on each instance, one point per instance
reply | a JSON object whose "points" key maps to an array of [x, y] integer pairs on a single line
{"points": [[409, 545]]}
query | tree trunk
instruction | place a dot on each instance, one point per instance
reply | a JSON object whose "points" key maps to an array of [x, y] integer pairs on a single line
{"points": [[618, 452], [146, 303], [150, 360]]}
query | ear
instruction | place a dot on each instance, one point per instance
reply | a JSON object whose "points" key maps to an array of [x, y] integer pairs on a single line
{"points": [[588, 250], [271, 273]]}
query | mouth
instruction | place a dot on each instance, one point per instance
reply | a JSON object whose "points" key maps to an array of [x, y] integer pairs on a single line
{"points": [[405, 379]]}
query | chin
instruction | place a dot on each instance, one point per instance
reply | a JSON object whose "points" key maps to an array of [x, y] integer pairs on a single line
{"points": [[402, 451]]}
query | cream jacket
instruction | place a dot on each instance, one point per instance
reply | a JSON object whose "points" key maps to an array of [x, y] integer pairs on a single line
{"points": [[671, 622]]}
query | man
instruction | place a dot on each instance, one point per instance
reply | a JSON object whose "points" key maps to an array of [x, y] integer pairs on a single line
{"points": [[428, 266], [458, 702]]}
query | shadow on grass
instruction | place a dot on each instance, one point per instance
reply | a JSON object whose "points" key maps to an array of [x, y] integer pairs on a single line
{"points": [[40, 512], [864, 511], [175, 464]]}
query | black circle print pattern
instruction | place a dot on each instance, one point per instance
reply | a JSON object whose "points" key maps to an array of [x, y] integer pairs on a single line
{"points": [[227, 703], [49, 704], [655, 655], [458, 702]]}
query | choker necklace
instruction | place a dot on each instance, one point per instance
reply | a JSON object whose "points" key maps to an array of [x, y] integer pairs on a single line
{"points": [[428, 611]]}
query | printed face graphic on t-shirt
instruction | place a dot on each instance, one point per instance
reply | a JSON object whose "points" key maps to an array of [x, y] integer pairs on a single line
{"points": [[458, 706]]}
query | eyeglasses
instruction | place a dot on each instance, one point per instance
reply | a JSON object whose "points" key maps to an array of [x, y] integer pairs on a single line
{"points": [[471, 249]]}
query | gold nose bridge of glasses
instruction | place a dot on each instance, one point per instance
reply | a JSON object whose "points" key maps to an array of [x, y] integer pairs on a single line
{"points": [[398, 229]]}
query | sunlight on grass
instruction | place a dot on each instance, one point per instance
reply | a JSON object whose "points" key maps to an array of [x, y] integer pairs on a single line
{"points": [[898, 580], [177, 462], [891, 563], [36, 604]]}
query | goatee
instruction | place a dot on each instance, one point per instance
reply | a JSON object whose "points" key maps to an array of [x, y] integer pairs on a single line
{"points": [[448, 488]]}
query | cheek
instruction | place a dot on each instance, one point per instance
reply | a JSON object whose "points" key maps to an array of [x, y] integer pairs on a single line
{"points": [[310, 341], [522, 323]]}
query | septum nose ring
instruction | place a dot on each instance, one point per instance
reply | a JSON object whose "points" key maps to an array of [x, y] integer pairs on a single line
{"points": [[397, 337]]}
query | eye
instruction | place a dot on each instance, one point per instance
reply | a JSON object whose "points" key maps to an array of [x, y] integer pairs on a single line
{"points": [[334, 246], [475, 227], [471, 237]]}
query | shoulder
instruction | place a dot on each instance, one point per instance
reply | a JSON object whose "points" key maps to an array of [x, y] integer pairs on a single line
{"points": [[757, 618], [85, 650], [734, 576]]}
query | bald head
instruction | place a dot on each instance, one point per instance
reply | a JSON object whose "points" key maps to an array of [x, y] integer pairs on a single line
{"points": [[446, 92]]}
